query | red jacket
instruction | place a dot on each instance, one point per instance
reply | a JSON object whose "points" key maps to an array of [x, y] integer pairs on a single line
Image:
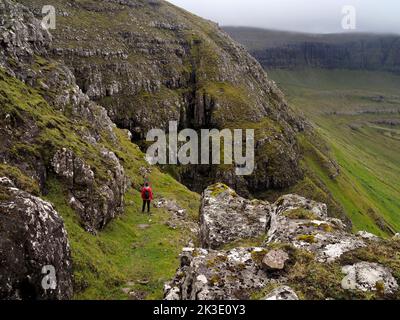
{"points": [[144, 189]]}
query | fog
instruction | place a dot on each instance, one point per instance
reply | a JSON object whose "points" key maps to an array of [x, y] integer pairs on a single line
{"points": [[317, 16]]}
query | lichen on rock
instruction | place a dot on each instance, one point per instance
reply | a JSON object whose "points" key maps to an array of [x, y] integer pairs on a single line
{"points": [[32, 236]]}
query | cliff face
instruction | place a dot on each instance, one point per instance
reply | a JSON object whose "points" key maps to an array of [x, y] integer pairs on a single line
{"points": [[50, 126], [149, 63], [275, 49], [49, 130]]}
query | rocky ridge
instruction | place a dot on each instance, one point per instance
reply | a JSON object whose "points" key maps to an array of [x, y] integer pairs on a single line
{"points": [[298, 242]]}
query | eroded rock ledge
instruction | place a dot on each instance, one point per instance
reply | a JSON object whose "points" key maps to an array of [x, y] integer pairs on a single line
{"points": [[295, 241]]}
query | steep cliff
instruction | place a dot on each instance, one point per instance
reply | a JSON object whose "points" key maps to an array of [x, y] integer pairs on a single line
{"points": [[278, 49]]}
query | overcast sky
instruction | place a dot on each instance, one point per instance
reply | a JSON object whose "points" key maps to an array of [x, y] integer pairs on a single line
{"points": [[320, 16]]}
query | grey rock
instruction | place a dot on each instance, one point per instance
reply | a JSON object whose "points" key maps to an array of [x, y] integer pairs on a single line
{"points": [[292, 201], [96, 201], [275, 260], [326, 237], [367, 236], [32, 236], [216, 275], [282, 293], [366, 276], [226, 217]]}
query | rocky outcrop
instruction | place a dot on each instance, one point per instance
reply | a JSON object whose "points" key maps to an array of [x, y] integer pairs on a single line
{"points": [[305, 224], [300, 240], [21, 37], [32, 241], [366, 276], [226, 217], [217, 275], [96, 204]]}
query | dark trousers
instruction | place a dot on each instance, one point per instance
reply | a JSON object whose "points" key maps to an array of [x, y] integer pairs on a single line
{"points": [[146, 202]]}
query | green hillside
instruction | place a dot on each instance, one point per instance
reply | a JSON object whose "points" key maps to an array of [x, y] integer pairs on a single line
{"points": [[358, 114]]}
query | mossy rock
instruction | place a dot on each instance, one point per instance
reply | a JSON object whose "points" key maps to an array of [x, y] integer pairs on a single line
{"points": [[21, 180], [300, 214], [258, 256], [4, 195], [309, 238], [217, 189]]}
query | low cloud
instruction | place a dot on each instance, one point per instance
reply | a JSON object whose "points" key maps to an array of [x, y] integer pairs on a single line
{"points": [[318, 16]]}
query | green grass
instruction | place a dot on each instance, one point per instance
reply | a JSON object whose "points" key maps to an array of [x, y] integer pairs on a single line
{"points": [[123, 254], [368, 186]]}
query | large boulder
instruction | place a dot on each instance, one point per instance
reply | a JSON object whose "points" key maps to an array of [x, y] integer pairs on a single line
{"points": [[226, 217], [96, 200], [306, 225], [366, 276], [275, 260], [33, 243], [217, 275]]}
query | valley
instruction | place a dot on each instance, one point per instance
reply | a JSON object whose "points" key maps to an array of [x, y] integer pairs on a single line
{"points": [[348, 86], [356, 113]]}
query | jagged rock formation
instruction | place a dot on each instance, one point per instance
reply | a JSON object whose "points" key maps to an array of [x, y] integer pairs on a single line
{"points": [[226, 217], [305, 224], [156, 63], [300, 241], [277, 49], [216, 275], [32, 236]]}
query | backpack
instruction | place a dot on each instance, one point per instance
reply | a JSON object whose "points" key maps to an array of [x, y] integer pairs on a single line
{"points": [[147, 194]]}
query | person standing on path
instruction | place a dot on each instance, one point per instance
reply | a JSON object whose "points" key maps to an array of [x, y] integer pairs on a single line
{"points": [[147, 196]]}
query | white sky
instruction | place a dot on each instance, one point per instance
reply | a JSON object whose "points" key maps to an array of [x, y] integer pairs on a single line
{"points": [[319, 16]]}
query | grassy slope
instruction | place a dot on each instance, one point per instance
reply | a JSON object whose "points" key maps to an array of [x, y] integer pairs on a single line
{"points": [[122, 253], [368, 154]]}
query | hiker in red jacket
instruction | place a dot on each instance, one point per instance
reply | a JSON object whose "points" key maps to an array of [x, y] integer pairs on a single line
{"points": [[147, 196]]}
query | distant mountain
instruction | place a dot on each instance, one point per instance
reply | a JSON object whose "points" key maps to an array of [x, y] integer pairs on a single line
{"points": [[355, 51]]}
